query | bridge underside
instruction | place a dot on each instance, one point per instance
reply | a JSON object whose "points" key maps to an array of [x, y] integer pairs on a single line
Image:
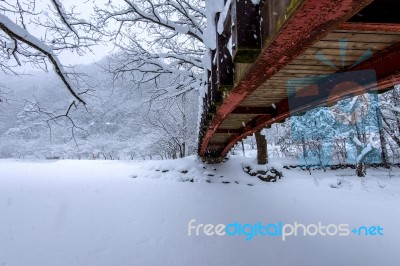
{"points": [[320, 38]]}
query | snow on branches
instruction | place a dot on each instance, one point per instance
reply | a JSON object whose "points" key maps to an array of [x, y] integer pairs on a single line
{"points": [[31, 33], [154, 38]]}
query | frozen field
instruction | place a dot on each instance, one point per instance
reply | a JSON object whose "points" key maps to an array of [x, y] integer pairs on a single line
{"points": [[137, 213]]}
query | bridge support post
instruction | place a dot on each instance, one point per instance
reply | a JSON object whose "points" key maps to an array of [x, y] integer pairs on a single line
{"points": [[262, 155]]}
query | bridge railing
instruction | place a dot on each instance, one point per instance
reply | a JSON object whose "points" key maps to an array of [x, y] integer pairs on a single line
{"points": [[243, 30]]}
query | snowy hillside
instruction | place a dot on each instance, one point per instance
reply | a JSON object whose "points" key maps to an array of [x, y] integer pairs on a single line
{"points": [[138, 213]]}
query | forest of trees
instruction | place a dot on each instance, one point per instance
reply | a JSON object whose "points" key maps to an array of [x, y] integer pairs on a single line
{"points": [[120, 123]]}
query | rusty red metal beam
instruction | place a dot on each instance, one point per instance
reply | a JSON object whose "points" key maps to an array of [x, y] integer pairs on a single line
{"points": [[251, 130], [364, 26], [387, 69], [385, 63], [312, 20]]}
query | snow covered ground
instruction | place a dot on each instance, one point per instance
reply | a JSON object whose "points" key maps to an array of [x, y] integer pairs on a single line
{"points": [[137, 213]]}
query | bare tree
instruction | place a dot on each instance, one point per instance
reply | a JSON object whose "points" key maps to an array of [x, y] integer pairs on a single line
{"points": [[390, 113], [36, 33], [160, 49], [5, 93], [157, 37], [173, 122]]}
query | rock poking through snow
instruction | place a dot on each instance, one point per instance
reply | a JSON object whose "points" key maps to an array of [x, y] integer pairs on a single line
{"points": [[266, 175]]}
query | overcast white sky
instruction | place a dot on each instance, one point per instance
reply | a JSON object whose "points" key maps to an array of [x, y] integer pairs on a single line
{"points": [[85, 7], [99, 51]]}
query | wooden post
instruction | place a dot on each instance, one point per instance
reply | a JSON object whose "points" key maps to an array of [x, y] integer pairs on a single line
{"points": [[246, 37], [225, 65], [216, 94], [262, 157]]}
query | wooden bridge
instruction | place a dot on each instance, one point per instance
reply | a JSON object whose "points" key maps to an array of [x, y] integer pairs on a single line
{"points": [[278, 58]]}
